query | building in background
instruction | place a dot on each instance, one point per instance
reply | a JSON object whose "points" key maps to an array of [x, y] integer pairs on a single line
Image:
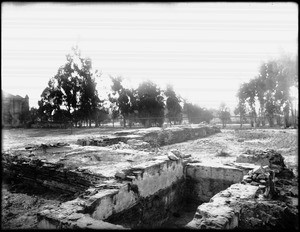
{"points": [[14, 109]]}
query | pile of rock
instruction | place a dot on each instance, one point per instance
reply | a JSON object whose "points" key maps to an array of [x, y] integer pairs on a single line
{"points": [[259, 177], [262, 157], [102, 142], [138, 144], [120, 145], [44, 146], [269, 177], [175, 154]]}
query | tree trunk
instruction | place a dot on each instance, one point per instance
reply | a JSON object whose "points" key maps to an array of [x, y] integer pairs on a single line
{"points": [[241, 121], [124, 121], [278, 120], [271, 121], [293, 117]]}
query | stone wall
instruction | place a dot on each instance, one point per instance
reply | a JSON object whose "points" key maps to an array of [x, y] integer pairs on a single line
{"points": [[39, 172], [204, 180], [155, 190], [154, 136], [222, 211]]}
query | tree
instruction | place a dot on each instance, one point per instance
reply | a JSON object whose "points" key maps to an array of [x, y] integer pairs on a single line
{"points": [[241, 107], [250, 93], [34, 115], [71, 94], [101, 115], [89, 101], [224, 114], [150, 104], [196, 114], [241, 111], [123, 98], [272, 89], [172, 104]]}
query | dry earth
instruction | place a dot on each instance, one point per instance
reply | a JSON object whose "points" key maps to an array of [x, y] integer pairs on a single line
{"points": [[19, 205]]}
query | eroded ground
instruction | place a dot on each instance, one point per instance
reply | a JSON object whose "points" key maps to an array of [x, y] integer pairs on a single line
{"points": [[19, 208]]}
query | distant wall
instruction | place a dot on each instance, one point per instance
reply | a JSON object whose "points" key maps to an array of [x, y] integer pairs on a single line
{"points": [[12, 108]]}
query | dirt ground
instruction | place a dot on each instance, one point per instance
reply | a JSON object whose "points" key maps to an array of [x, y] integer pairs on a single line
{"points": [[19, 205]]}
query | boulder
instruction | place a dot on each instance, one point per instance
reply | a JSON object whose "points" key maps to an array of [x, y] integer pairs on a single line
{"points": [[171, 156]]}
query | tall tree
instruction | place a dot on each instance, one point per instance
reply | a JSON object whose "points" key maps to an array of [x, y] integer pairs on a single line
{"points": [[224, 114], [196, 114], [89, 101], [250, 93], [271, 88], [123, 98], [172, 104], [241, 107], [71, 94], [150, 104]]}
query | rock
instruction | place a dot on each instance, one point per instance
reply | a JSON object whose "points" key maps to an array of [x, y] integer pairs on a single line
{"points": [[261, 176], [171, 156], [240, 140], [254, 183], [120, 175], [246, 177], [286, 174], [130, 178], [177, 153], [133, 141], [186, 156], [266, 168], [262, 182], [258, 170], [276, 168], [294, 191], [254, 176]]}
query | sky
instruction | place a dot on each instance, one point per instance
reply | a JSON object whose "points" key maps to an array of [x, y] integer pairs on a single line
{"points": [[205, 50]]}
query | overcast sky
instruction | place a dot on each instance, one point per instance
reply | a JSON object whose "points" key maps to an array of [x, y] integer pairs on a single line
{"points": [[205, 50]]}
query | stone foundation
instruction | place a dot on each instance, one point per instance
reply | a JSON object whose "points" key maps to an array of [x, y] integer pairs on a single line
{"points": [[120, 189], [154, 186], [204, 180], [154, 136]]}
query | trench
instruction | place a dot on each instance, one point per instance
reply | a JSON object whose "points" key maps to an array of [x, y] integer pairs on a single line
{"points": [[168, 194], [174, 206]]}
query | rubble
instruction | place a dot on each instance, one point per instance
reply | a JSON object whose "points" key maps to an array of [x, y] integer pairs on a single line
{"points": [[45, 146], [151, 137], [267, 177]]}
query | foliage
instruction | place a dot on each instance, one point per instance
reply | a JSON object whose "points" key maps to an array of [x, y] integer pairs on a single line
{"points": [[224, 114], [124, 99], [196, 114], [172, 104], [241, 107], [71, 94], [150, 104], [271, 89]]}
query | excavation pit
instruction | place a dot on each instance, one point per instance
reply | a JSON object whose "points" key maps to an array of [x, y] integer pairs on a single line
{"points": [[160, 194], [119, 189]]}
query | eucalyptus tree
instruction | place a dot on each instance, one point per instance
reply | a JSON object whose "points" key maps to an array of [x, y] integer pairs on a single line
{"points": [[72, 92], [173, 106], [123, 99], [150, 104]]}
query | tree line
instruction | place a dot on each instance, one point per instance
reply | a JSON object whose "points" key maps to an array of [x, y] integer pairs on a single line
{"points": [[71, 96], [267, 97]]}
